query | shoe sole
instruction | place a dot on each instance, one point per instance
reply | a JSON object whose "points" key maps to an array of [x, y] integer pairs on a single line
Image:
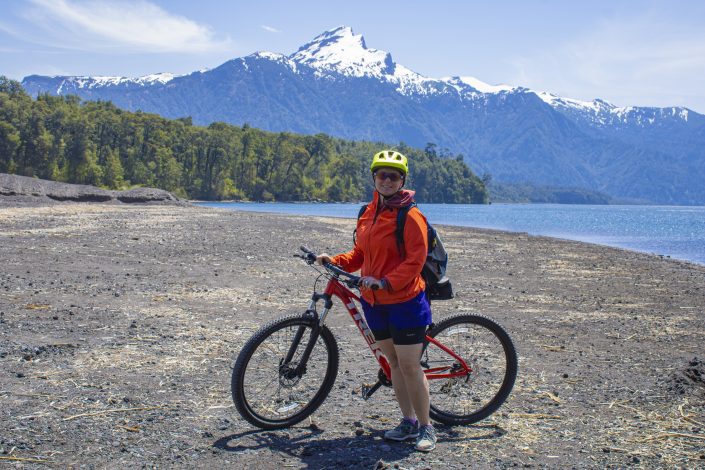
{"points": [[428, 449], [401, 439]]}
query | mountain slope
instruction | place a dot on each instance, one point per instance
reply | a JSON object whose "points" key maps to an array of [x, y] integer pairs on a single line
{"points": [[337, 85]]}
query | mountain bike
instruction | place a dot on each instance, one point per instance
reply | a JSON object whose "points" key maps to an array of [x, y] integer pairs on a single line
{"points": [[287, 368]]}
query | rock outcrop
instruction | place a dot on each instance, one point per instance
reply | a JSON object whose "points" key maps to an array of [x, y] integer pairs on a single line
{"points": [[23, 186]]}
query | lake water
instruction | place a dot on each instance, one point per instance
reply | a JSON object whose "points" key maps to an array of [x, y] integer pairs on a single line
{"points": [[675, 231]]}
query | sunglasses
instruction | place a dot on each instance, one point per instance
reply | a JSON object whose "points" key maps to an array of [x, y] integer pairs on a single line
{"points": [[393, 176]]}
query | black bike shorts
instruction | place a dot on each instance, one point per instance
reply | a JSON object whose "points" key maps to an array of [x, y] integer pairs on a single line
{"points": [[401, 336]]}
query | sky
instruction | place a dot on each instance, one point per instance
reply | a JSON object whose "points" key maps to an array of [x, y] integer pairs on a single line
{"points": [[628, 52]]}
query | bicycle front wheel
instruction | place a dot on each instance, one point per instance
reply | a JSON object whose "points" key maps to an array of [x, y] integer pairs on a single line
{"points": [[489, 353], [271, 388]]}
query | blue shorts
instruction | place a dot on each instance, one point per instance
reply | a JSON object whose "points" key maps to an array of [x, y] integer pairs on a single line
{"points": [[405, 322]]}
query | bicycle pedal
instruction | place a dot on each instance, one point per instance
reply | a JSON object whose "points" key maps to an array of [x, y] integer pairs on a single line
{"points": [[367, 390]]}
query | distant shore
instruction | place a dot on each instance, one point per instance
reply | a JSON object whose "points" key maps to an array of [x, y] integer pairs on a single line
{"points": [[676, 232], [119, 323]]}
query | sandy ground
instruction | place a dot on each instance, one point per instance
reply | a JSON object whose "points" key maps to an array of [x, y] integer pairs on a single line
{"points": [[119, 326]]}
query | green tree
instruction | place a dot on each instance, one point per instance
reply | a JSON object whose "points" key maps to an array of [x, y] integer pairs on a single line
{"points": [[114, 176], [88, 171], [9, 143], [65, 139]]}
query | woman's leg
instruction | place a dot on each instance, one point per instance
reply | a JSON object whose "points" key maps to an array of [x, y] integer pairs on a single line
{"points": [[415, 383], [398, 379]]}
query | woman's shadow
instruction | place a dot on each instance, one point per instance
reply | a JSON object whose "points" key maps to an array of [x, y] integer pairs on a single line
{"points": [[364, 451]]}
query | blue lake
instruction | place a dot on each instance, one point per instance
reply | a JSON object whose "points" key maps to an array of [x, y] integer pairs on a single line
{"points": [[675, 231]]}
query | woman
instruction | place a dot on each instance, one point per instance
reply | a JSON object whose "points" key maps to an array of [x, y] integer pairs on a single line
{"points": [[393, 298]]}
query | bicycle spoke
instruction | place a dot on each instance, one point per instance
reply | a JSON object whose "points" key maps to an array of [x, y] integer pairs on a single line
{"points": [[482, 345], [270, 393], [264, 387]]}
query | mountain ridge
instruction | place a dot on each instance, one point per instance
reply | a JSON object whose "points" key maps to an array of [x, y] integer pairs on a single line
{"points": [[337, 85]]}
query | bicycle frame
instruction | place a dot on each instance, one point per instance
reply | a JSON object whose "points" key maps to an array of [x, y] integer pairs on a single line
{"points": [[334, 288]]}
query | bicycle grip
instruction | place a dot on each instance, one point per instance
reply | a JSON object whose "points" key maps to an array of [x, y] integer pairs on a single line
{"points": [[310, 255], [374, 287]]}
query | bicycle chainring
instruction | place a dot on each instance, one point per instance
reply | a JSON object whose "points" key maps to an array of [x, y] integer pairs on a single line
{"points": [[382, 377]]}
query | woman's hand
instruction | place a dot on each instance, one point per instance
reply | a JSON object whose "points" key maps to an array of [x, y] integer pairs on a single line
{"points": [[370, 282], [323, 258]]}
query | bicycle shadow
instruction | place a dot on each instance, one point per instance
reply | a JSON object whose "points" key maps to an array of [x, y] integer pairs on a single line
{"points": [[365, 451]]}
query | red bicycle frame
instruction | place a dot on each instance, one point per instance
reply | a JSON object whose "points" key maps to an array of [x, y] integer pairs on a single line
{"points": [[335, 288]]}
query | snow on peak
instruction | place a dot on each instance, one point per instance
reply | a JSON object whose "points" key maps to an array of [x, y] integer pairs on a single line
{"points": [[340, 50], [601, 109], [558, 101], [269, 55], [162, 78], [478, 85], [99, 80], [273, 57], [104, 81], [602, 112]]}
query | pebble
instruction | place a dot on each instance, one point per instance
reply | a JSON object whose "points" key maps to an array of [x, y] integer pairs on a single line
{"points": [[180, 351]]}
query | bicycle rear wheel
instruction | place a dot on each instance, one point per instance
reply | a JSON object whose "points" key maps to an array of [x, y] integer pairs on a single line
{"points": [[490, 354], [266, 390]]}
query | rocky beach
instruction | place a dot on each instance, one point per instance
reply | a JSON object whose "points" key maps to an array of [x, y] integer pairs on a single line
{"points": [[119, 325]]}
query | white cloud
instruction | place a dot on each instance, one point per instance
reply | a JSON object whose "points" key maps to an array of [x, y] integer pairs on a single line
{"points": [[270, 29], [127, 26]]}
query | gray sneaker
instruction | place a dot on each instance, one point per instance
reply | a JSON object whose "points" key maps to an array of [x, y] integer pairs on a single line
{"points": [[405, 430], [426, 441]]}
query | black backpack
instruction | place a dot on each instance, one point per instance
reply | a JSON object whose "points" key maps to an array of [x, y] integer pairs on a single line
{"points": [[438, 286]]}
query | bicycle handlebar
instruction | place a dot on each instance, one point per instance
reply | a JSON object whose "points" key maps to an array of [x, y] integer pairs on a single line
{"points": [[310, 258]]}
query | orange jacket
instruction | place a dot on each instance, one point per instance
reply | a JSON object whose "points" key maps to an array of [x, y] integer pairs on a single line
{"points": [[376, 254]]}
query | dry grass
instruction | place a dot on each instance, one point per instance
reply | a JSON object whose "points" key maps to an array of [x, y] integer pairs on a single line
{"points": [[153, 303]]}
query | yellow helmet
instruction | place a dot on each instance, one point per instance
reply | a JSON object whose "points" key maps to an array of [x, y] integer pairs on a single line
{"points": [[390, 159]]}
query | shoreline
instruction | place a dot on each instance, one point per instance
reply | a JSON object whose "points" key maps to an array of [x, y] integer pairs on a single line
{"points": [[576, 237], [119, 324]]}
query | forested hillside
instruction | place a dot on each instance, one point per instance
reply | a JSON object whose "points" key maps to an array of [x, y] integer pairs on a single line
{"points": [[336, 85], [64, 139]]}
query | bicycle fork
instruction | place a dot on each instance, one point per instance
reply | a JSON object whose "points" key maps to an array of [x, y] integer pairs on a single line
{"points": [[300, 369], [290, 373]]}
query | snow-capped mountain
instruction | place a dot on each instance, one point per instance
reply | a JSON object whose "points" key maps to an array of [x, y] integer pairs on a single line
{"points": [[83, 82], [337, 85], [341, 52]]}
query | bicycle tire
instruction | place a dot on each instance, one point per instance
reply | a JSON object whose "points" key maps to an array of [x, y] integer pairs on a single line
{"points": [[259, 367], [489, 351]]}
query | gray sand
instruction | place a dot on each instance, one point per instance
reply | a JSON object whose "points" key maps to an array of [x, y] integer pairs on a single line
{"points": [[119, 325]]}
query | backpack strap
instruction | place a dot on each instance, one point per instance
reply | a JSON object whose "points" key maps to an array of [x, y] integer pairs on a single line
{"points": [[401, 222], [359, 214]]}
